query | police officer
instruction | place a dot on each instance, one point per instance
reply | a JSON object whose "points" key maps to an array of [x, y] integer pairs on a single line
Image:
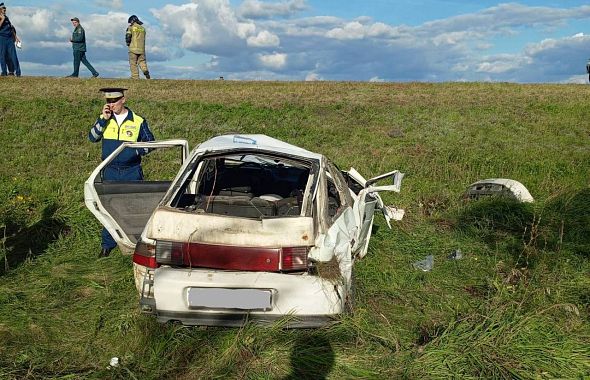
{"points": [[135, 40], [118, 124]]}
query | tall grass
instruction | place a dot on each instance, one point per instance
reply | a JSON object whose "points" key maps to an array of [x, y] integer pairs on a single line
{"points": [[516, 306]]}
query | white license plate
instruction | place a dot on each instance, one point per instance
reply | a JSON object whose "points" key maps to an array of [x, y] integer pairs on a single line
{"points": [[223, 298]]}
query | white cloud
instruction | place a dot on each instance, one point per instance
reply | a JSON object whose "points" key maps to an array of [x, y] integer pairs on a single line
{"points": [[504, 17], [208, 26], [350, 31], [110, 4], [502, 64], [356, 30], [312, 77], [258, 9], [376, 79], [273, 61], [576, 79], [264, 39]]}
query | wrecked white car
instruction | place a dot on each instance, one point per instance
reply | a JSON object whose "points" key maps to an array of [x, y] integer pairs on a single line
{"points": [[250, 228]]}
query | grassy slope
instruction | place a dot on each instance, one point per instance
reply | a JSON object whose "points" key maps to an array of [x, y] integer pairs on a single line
{"points": [[517, 305]]}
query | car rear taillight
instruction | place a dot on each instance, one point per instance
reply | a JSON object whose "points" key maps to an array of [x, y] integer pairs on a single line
{"points": [[170, 253], [145, 254], [293, 258], [216, 256]]}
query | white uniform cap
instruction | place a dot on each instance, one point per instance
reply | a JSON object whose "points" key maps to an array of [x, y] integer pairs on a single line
{"points": [[113, 92]]}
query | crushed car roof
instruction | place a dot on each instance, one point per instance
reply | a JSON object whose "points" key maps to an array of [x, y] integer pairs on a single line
{"points": [[261, 142]]}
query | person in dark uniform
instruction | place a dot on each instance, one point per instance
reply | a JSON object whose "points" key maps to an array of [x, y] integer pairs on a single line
{"points": [[115, 125], [8, 56], [78, 41]]}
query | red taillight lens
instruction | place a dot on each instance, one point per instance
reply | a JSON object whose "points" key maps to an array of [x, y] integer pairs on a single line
{"points": [[293, 258], [229, 257], [233, 257], [145, 254]]}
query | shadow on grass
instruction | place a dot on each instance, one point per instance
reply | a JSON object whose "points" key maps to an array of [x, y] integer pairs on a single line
{"points": [[568, 216], [24, 243], [312, 357], [563, 222], [531, 233], [498, 219]]}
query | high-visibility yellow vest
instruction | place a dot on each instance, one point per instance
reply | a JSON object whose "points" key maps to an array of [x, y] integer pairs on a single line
{"points": [[137, 45], [128, 131]]}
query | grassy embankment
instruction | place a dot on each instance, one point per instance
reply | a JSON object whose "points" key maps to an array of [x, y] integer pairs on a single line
{"points": [[516, 305]]}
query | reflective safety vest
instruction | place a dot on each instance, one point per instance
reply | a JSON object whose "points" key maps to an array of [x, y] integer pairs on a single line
{"points": [[137, 45], [128, 131], [115, 135]]}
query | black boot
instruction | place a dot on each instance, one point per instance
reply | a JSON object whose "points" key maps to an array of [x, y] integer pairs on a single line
{"points": [[105, 252]]}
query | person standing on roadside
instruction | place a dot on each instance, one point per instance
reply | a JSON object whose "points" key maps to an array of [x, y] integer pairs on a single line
{"points": [[135, 39], [8, 58], [78, 41], [14, 64], [115, 125]]}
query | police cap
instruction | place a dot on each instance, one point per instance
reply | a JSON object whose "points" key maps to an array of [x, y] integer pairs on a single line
{"points": [[113, 92]]}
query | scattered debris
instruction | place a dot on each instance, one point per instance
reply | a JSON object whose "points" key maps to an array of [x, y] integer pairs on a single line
{"points": [[426, 264], [498, 187], [114, 362], [455, 255], [394, 213]]}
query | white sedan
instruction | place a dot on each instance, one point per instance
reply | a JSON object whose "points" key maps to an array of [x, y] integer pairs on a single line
{"points": [[250, 228]]}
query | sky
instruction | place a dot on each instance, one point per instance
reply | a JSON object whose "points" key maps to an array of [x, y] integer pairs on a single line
{"points": [[543, 41]]}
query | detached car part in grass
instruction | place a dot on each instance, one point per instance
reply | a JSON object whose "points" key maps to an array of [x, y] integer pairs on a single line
{"points": [[498, 187], [250, 228]]}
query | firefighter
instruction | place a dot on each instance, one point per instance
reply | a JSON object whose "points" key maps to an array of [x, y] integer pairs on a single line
{"points": [[115, 125], [135, 39]]}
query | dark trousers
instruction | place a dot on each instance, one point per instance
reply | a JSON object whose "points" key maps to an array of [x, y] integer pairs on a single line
{"points": [[118, 173], [12, 62], [80, 56], [8, 57]]}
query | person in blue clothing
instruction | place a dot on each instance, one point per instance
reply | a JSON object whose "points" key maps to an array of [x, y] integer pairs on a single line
{"points": [[8, 57], [115, 125]]}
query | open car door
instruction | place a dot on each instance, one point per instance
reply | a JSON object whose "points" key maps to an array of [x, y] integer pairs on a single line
{"points": [[124, 207], [368, 200]]}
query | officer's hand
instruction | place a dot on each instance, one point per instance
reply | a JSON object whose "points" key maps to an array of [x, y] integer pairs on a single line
{"points": [[106, 112]]}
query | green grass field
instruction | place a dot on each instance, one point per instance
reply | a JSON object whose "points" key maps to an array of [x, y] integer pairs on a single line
{"points": [[516, 306]]}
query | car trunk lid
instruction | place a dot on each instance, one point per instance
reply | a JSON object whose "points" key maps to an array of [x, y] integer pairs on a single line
{"points": [[222, 242]]}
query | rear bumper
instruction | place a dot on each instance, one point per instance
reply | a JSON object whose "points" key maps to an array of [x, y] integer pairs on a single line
{"points": [[239, 319], [303, 300]]}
